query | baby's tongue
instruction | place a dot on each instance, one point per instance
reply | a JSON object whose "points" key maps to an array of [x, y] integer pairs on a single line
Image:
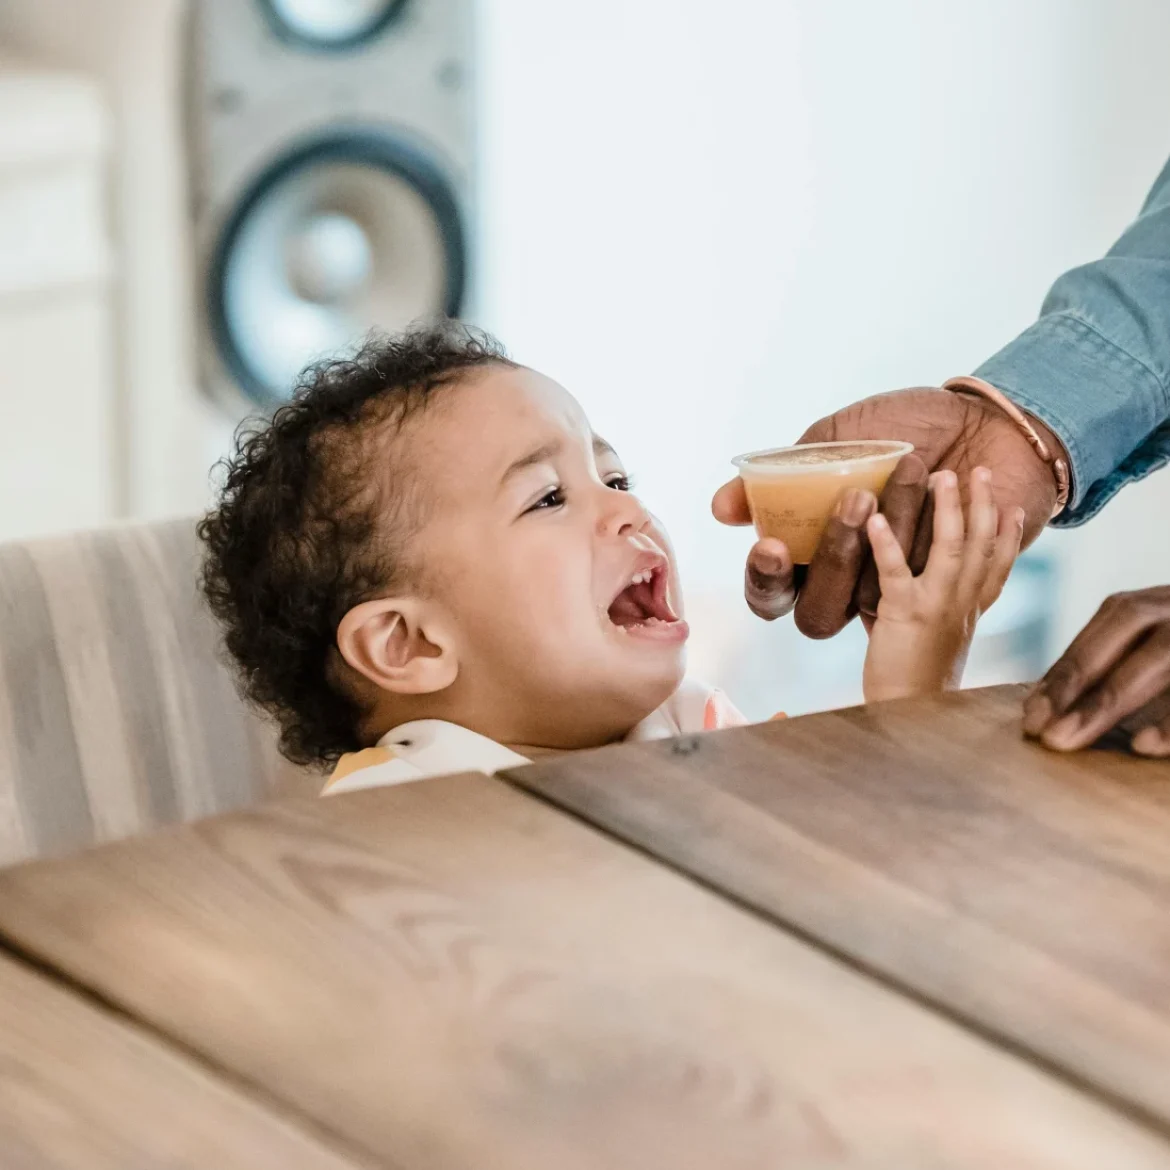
{"points": [[632, 606]]}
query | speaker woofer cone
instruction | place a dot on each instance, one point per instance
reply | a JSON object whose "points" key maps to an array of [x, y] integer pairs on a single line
{"points": [[350, 232], [331, 25]]}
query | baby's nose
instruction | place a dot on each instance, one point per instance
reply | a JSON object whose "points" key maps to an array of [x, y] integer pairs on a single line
{"points": [[623, 514]]}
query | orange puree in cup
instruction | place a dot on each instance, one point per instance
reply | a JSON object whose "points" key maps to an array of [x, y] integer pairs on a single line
{"points": [[792, 491]]}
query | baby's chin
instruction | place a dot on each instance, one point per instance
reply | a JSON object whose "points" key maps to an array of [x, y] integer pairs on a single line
{"points": [[649, 689], [607, 713]]}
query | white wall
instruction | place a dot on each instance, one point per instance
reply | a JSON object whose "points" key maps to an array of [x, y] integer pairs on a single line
{"points": [[716, 222], [57, 383], [134, 49]]}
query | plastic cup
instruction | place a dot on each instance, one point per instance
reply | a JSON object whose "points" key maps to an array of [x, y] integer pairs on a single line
{"points": [[792, 491]]}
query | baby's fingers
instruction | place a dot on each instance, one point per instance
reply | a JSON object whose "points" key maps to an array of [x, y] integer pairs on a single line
{"points": [[893, 571], [982, 536], [947, 548], [1007, 547]]}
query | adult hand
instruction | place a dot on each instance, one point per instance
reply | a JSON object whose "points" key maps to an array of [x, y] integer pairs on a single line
{"points": [[1118, 666], [951, 431]]}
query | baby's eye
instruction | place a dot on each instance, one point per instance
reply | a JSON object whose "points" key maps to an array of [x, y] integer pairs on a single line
{"points": [[554, 498], [620, 483]]}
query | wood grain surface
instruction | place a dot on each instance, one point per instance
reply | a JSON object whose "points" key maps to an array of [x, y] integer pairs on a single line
{"points": [[83, 1089], [1024, 891], [455, 975]]}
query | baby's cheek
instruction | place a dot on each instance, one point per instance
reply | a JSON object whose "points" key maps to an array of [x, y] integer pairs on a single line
{"points": [[550, 618], [545, 605], [657, 533]]}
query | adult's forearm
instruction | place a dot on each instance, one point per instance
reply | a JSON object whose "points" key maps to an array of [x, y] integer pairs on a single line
{"points": [[1095, 369]]}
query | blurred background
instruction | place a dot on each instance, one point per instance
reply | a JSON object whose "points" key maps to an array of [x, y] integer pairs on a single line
{"points": [[714, 223]]}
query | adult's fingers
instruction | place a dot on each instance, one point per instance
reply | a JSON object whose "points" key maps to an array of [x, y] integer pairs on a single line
{"points": [[901, 504], [920, 549], [1121, 621], [1141, 675], [1150, 728], [825, 604], [770, 582], [730, 505]]}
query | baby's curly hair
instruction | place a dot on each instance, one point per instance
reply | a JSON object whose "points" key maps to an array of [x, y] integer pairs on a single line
{"points": [[305, 530]]}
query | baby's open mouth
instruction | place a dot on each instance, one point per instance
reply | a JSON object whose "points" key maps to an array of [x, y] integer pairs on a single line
{"points": [[643, 604]]}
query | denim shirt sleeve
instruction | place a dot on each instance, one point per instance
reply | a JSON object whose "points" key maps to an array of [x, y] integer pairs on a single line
{"points": [[1095, 368]]}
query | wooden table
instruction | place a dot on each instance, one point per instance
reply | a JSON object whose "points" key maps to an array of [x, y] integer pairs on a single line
{"points": [[897, 938]]}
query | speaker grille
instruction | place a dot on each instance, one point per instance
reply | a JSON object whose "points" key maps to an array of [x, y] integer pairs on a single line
{"points": [[354, 230], [331, 25]]}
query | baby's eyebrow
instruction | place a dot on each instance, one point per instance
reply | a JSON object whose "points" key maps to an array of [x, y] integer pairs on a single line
{"points": [[549, 451], [601, 448], [542, 454]]}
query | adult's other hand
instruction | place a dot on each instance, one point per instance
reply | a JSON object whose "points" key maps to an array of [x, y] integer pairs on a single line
{"points": [[1116, 671], [955, 431]]}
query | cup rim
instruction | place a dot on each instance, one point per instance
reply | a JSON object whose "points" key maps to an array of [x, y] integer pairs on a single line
{"points": [[894, 447]]}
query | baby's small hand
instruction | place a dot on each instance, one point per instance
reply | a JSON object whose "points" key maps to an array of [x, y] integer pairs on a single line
{"points": [[919, 640]]}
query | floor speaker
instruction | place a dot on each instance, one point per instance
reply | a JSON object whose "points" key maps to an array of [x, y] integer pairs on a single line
{"points": [[330, 170]]}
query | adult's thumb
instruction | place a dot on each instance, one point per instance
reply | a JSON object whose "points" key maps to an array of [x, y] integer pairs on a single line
{"points": [[730, 504]]}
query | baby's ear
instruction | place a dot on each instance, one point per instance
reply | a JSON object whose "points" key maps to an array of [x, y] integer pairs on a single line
{"points": [[399, 645]]}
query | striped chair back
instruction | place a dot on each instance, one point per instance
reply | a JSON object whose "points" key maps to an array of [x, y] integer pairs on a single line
{"points": [[117, 712]]}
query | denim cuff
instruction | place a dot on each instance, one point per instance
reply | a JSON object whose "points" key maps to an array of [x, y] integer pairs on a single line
{"points": [[1101, 402]]}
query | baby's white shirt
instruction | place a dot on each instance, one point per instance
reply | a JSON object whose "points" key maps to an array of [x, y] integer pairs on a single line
{"points": [[432, 747]]}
